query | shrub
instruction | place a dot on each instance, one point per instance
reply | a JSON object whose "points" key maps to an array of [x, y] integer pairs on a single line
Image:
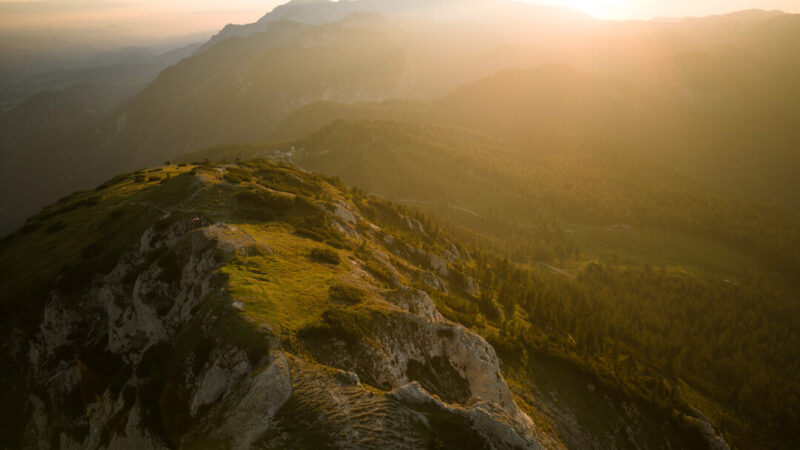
{"points": [[343, 293], [326, 255], [379, 271], [348, 326], [236, 175], [281, 180], [311, 234], [315, 225]]}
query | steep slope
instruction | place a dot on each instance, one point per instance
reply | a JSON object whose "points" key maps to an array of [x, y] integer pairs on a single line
{"points": [[240, 306], [250, 83]]}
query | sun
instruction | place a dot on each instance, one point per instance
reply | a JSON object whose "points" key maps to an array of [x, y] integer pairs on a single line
{"points": [[601, 9]]}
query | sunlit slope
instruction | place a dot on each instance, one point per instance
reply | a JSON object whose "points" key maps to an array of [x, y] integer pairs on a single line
{"points": [[576, 195]]}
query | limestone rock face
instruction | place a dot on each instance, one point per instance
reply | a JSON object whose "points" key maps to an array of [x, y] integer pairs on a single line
{"points": [[712, 436], [416, 302], [433, 281], [417, 353], [438, 265], [132, 320]]}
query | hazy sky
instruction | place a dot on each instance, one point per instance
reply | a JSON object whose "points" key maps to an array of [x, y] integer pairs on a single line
{"points": [[647, 9], [147, 17], [172, 17]]}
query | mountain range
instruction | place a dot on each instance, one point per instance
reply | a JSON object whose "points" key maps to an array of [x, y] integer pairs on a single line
{"points": [[691, 77], [409, 224]]}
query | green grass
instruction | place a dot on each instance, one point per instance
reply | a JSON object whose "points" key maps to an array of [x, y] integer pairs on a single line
{"points": [[284, 289], [83, 234]]}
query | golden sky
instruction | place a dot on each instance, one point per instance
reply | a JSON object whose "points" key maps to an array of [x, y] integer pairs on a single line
{"points": [[648, 9], [173, 17]]}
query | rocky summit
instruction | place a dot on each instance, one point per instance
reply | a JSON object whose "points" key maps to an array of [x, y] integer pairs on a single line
{"points": [[242, 306]]}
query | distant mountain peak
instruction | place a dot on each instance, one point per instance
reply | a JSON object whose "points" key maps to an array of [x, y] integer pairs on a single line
{"points": [[743, 15], [317, 12]]}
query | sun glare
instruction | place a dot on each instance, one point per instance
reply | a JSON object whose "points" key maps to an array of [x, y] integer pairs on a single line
{"points": [[601, 9]]}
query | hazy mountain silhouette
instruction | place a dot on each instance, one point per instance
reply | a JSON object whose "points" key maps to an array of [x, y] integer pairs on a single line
{"points": [[668, 89]]}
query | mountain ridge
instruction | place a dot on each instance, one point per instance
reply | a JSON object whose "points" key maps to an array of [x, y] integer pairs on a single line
{"points": [[193, 255], [251, 296]]}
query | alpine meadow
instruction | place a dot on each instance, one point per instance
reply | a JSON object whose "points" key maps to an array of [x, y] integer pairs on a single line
{"points": [[400, 224]]}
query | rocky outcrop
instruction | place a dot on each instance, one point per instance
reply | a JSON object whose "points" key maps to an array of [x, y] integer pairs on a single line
{"points": [[433, 281], [713, 438], [416, 302], [157, 320], [457, 366], [154, 304], [481, 415], [342, 211], [244, 410]]}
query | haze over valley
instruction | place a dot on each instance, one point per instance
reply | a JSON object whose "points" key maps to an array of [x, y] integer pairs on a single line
{"points": [[400, 224]]}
